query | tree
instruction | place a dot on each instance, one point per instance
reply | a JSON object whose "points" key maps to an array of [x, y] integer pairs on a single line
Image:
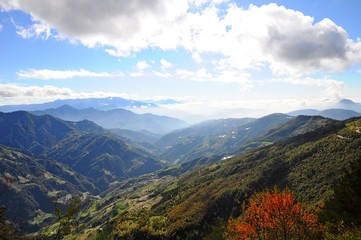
{"points": [[273, 215], [8, 230], [344, 205], [141, 224], [65, 217]]}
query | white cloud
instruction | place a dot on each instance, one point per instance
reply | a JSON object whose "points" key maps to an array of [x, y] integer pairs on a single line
{"points": [[202, 74], [235, 76], [142, 65], [41, 30], [197, 57], [332, 88], [19, 91], [225, 76], [136, 74], [200, 108], [323, 82], [20, 94], [46, 74], [184, 73], [162, 74], [165, 64], [122, 26], [8, 5], [286, 41]]}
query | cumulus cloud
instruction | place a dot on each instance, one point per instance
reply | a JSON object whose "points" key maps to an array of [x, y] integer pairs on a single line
{"points": [[332, 88], [141, 66], [19, 91], [46, 74], [165, 64], [15, 93], [37, 30], [123, 26], [286, 41]]}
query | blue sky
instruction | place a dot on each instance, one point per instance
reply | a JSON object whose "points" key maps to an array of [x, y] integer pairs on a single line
{"points": [[217, 55]]}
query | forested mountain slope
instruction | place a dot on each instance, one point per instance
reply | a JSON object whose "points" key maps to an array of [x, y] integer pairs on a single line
{"points": [[33, 184], [83, 146], [247, 134], [197, 205]]}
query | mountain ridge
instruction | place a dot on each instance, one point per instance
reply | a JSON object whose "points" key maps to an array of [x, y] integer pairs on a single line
{"points": [[342, 110], [334, 113], [84, 142], [98, 103], [34, 183], [117, 118], [198, 204]]}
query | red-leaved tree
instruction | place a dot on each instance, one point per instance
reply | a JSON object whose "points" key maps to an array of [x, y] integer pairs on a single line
{"points": [[273, 215]]}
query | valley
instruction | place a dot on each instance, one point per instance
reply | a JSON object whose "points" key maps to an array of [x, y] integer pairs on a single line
{"points": [[190, 181]]}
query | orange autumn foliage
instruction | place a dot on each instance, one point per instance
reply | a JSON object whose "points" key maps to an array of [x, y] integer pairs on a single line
{"points": [[273, 215]]}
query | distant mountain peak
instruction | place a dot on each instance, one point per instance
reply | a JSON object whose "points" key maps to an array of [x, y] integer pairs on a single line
{"points": [[116, 118], [107, 103], [348, 105], [66, 106], [346, 101]]}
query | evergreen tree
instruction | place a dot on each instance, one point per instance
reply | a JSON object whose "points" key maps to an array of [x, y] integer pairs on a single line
{"points": [[345, 204]]}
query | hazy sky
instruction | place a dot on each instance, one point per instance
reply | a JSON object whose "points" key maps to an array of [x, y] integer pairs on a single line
{"points": [[273, 55]]}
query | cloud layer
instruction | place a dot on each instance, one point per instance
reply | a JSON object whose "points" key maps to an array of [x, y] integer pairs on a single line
{"points": [[9, 91], [14, 92], [287, 41], [46, 74]]}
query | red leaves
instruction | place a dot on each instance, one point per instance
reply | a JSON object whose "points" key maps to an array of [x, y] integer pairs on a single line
{"points": [[273, 215], [7, 181]]}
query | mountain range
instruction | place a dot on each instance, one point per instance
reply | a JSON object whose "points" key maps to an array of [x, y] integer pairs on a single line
{"points": [[117, 119], [338, 114], [193, 179], [234, 135], [81, 103], [342, 110], [33, 183], [83, 146], [195, 201], [348, 105], [45, 155]]}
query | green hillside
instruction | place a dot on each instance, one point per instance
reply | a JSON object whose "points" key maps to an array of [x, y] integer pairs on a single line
{"points": [[242, 135], [102, 158], [126, 194], [197, 205], [45, 157], [33, 184]]}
